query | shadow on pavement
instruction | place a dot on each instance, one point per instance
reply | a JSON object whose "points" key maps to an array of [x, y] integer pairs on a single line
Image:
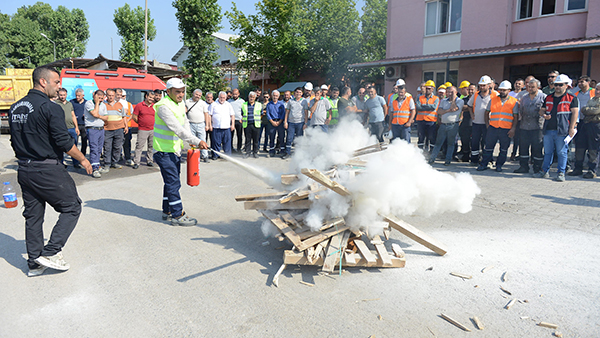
{"points": [[12, 251], [124, 207], [571, 201]]}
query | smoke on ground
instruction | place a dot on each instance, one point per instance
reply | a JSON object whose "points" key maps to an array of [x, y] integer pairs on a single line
{"points": [[396, 181]]}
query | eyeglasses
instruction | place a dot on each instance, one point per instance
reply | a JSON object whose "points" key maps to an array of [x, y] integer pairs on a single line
{"points": [[400, 87], [551, 76], [559, 84]]}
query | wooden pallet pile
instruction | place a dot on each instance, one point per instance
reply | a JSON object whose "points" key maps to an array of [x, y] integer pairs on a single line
{"points": [[334, 243]]}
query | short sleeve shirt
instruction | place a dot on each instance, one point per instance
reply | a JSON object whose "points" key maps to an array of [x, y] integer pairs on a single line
{"points": [[319, 116], [221, 114], [451, 117], [237, 107], [529, 112], [375, 107], [90, 120], [146, 116], [480, 107], [67, 108], [296, 108], [79, 109], [196, 110]]}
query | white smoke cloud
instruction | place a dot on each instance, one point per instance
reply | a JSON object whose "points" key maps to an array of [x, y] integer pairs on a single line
{"points": [[396, 181]]}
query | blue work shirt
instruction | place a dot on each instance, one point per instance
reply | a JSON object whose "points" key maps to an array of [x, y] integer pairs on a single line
{"points": [[276, 111]]}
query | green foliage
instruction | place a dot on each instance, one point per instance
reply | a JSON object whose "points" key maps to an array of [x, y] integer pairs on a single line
{"points": [[130, 26], [374, 32], [245, 86], [198, 20], [21, 41]]}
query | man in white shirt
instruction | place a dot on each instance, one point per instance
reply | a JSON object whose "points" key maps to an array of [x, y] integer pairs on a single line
{"points": [[223, 123], [236, 102], [197, 113]]}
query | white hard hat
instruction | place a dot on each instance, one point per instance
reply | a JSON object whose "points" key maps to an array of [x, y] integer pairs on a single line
{"points": [[324, 87], [419, 88], [308, 86], [123, 92], [485, 80], [505, 85], [175, 83], [400, 82], [562, 78]]}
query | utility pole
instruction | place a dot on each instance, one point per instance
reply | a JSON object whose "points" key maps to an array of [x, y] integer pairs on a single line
{"points": [[53, 43], [146, 38]]}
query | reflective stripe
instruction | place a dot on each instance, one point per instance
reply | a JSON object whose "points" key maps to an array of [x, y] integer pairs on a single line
{"points": [[93, 164], [501, 113], [161, 127], [563, 112], [165, 198], [166, 137], [176, 202], [501, 119]]}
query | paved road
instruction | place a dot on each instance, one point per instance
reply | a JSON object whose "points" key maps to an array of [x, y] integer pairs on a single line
{"points": [[133, 275]]}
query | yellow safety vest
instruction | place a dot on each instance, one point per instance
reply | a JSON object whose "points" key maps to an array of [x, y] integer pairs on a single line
{"points": [[257, 113], [164, 139]]}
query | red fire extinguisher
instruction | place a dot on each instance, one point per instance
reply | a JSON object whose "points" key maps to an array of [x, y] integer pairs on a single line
{"points": [[193, 159]]}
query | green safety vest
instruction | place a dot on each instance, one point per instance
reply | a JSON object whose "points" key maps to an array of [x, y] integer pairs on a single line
{"points": [[335, 116], [164, 139], [257, 113]]}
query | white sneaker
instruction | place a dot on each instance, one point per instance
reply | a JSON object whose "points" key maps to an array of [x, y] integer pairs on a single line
{"points": [[96, 174], [54, 262], [36, 272], [103, 170]]}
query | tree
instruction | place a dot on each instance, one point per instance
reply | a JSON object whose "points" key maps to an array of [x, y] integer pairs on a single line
{"points": [[22, 44], [198, 20], [374, 32], [130, 26]]}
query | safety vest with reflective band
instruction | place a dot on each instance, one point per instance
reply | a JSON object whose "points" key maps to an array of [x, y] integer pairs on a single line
{"points": [[164, 139], [430, 116], [257, 111], [591, 91], [335, 115], [501, 115], [129, 112], [563, 113], [401, 113]]}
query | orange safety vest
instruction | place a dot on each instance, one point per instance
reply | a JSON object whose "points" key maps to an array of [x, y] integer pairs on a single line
{"points": [[430, 116], [501, 115], [401, 114], [591, 91]]}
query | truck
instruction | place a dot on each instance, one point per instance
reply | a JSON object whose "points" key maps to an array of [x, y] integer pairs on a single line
{"points": [[13, 86]]}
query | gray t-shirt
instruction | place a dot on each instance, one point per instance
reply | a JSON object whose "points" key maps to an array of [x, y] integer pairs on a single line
{"points": [[237, 107], [196, 110], [296, 114], [375, 107], [320, 114], [451, 117], [529, 117], [89, 119], [480, 107], [583, 100]]}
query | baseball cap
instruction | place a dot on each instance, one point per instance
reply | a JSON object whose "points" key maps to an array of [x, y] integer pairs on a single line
{"points": [[175, 83], [324, 87]]}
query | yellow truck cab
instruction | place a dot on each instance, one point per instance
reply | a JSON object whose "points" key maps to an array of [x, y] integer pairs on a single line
{"points": [[13, 86]]}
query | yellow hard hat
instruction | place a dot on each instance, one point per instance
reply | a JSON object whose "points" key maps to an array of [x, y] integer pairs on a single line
{"points": [[448, 84], [430, 83], [464, 84], [442, 87]]}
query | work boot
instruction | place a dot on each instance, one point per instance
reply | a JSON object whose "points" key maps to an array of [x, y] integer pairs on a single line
{"points": [[37, 271], [589, 175], [183, 220], [576, 172], [53, 262], [521, 170]]}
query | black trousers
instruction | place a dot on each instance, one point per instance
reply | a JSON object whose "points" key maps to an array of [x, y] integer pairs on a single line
{"points": [[238, 131], [84, 139], [464, 131], [533, 139], [252, 135], [377, 130], [127, 144], [41, 183]]}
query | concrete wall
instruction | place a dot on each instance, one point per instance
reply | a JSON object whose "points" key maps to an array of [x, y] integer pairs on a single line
{"points": [[484, 23], [406, 28], [472, 69], [449, 42], [593, 22], [548, 28]]}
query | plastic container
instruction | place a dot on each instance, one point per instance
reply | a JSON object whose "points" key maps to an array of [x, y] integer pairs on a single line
{"points": [[10, 195]]}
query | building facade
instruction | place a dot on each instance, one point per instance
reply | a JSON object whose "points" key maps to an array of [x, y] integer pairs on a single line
{"points": [[456, 40]]}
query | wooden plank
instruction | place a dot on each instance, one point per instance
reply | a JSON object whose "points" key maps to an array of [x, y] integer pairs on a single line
{"points": [[416, 235], [282, 226], [289, 179], [365, 252], [461, 275], [326, 181], [398, 250], [548, 325], [288, 197], [308, 234], [320, 237], [319, 248], [298, 258], [350, 258], [332, 223], [335, 251], [270, 195], [276, 277], [289, 219], [478, 323], [275, 205], [455, 323], [382, 251]]}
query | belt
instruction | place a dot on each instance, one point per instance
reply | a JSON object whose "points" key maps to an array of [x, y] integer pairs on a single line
{"points": [[451, 123], [48, 160], [96, 128]]}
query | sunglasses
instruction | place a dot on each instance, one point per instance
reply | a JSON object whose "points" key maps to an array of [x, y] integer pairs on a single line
{"points": [[400, 87], [551, 76], [559, 84]]}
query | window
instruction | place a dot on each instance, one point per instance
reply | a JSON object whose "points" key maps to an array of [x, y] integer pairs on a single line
{"points": [[575, 5], [548, 7], [525, 9], [443, 16], [439, 77]]}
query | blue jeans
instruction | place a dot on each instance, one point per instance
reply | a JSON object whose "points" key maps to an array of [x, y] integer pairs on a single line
{"points": [[445, 131], [272, 130], [552, 142], [96, 142], [170, 168], [493, 136], [477, 141], [221, 137], [199, 130], [401, 131], [73, 134], [426, 133], [294, 129], [324, 127]]}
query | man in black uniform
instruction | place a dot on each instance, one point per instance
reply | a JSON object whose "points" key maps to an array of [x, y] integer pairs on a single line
{"points": [[39, 138]]}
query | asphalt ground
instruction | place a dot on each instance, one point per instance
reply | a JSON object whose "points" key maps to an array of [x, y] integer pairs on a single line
{"points": [[133, 275]]}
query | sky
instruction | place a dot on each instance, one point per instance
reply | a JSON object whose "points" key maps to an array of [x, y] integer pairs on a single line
{"points": [[99, 15]]}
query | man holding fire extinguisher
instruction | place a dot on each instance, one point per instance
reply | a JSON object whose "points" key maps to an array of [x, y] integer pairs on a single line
{"points": [[171, 130]]}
